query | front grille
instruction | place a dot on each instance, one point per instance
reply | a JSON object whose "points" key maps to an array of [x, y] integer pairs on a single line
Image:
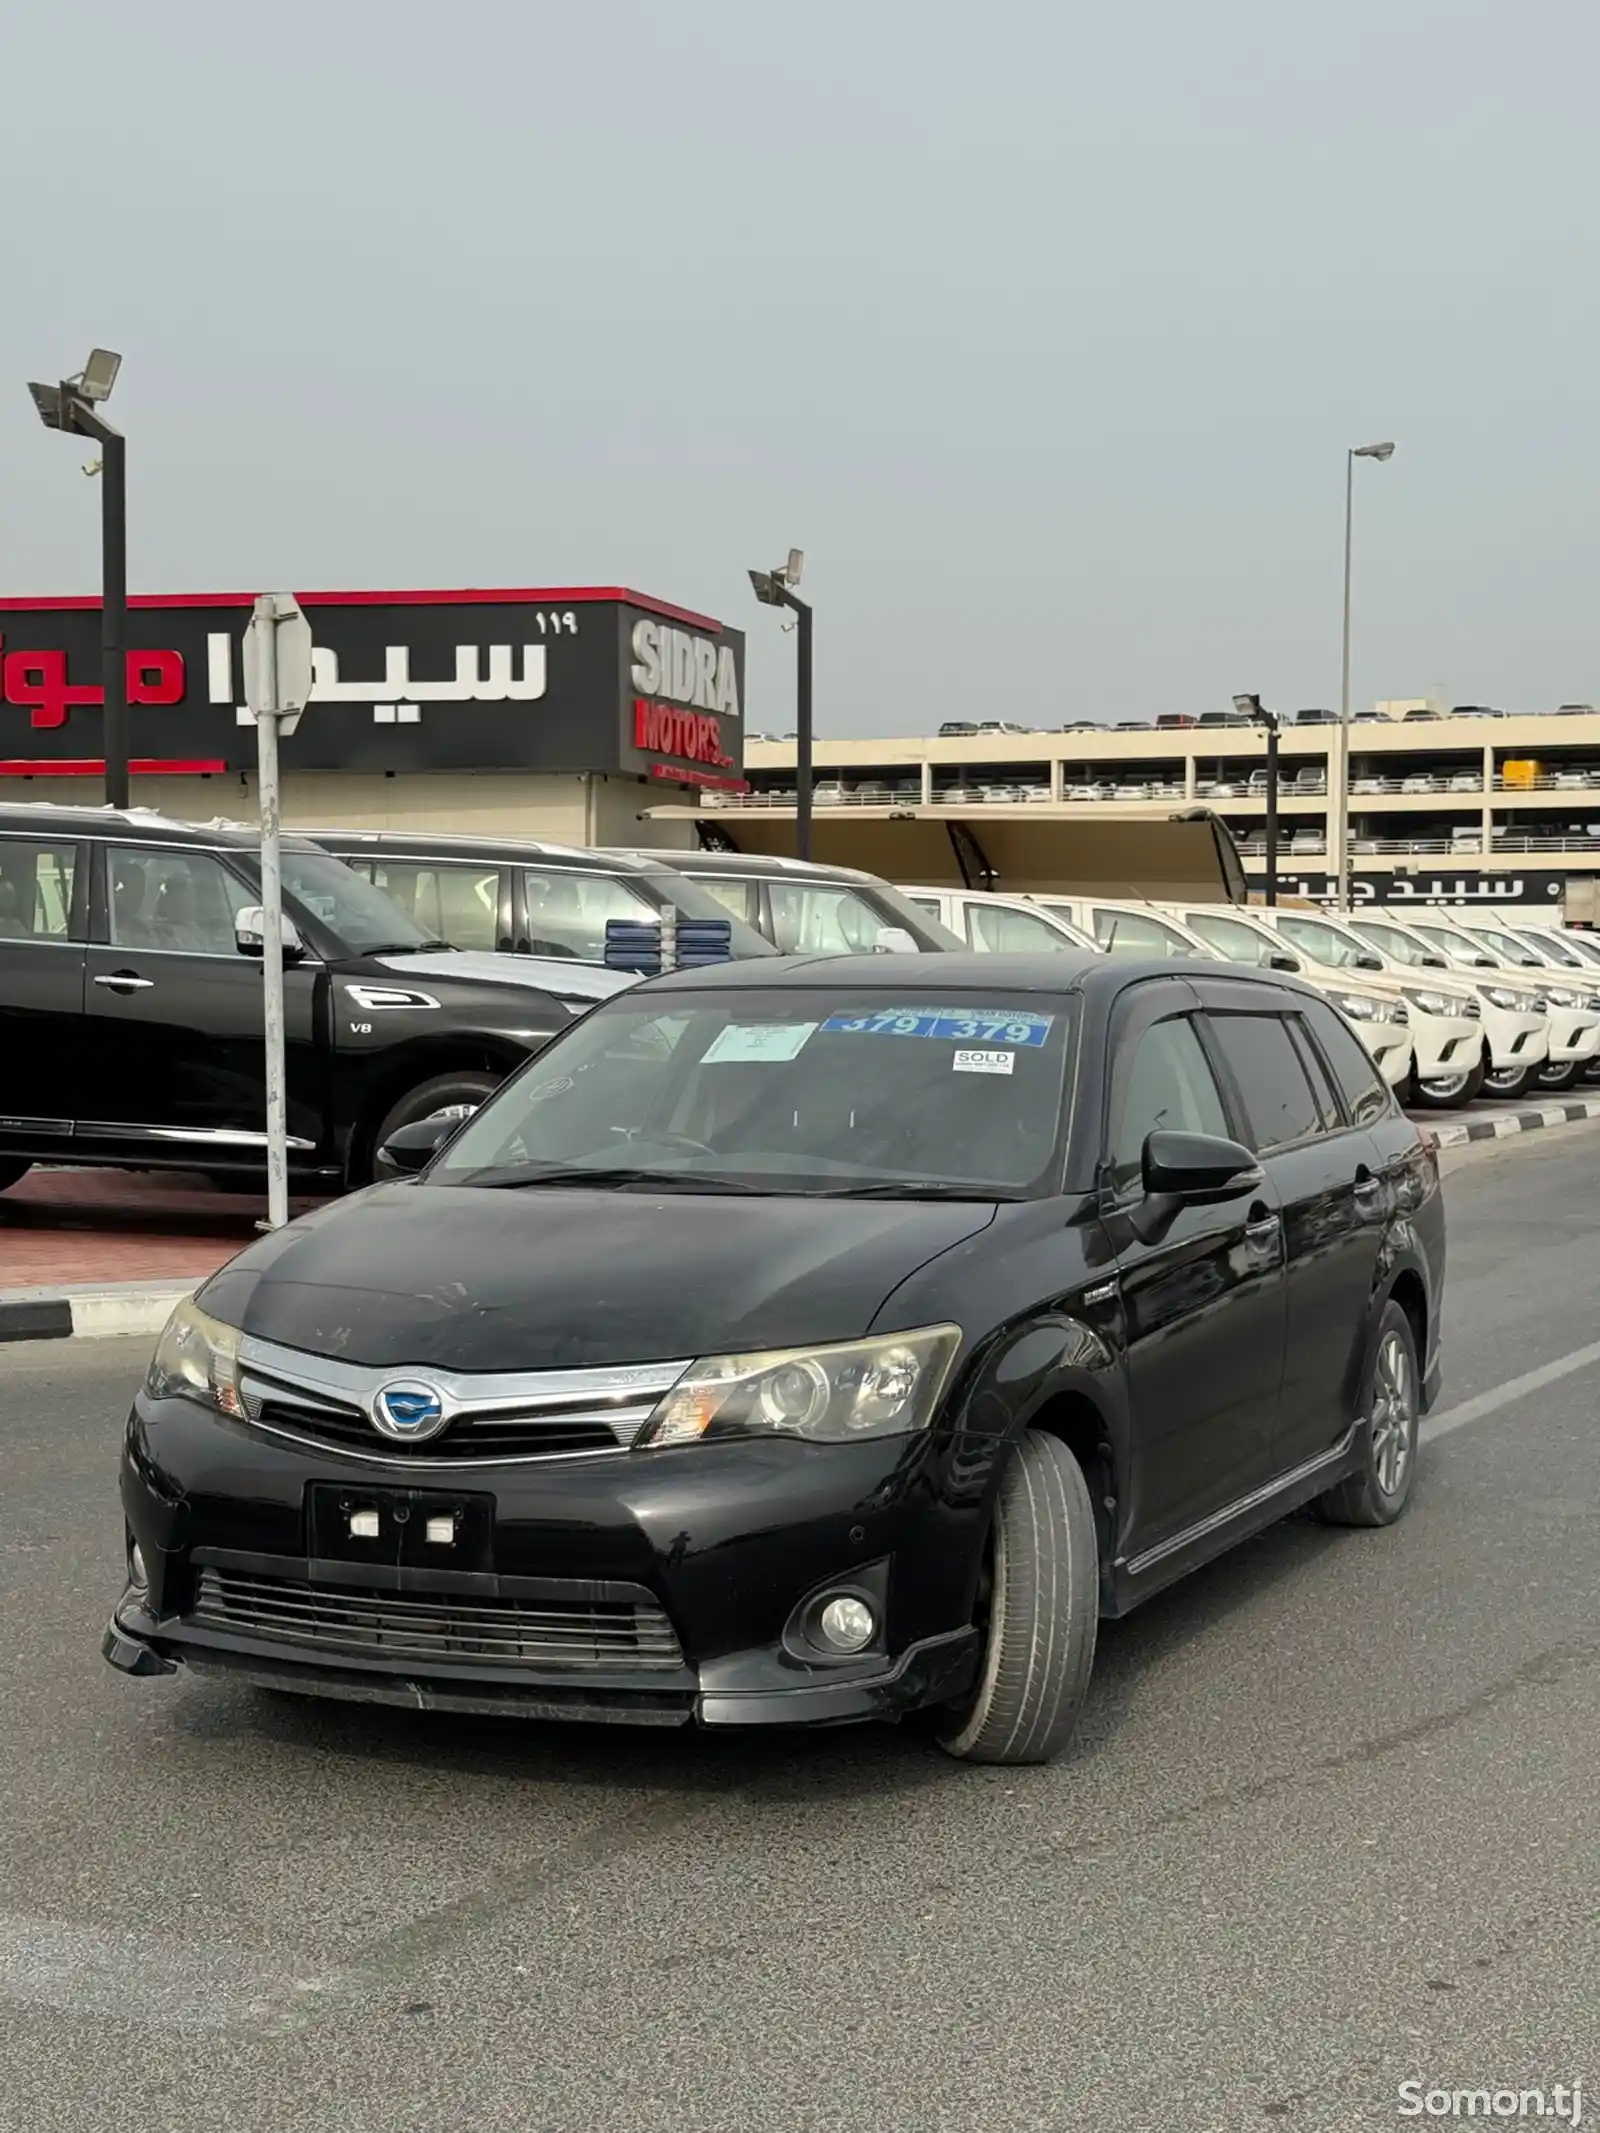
{"points": [[527, 1436], [390, 1625], [524, 1415]]}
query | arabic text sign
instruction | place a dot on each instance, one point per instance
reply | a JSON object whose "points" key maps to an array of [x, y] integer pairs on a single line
{"points": [[412, 682], [1489, 887]]}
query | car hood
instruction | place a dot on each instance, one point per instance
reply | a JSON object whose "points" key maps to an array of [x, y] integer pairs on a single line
{"points": [[547, 973], [478, 1278]]}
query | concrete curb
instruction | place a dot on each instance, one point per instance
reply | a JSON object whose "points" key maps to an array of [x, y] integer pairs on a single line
{"points": [[1528, 1121], [62, 1314]]}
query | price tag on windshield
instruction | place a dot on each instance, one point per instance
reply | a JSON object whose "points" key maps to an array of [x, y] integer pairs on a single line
{"points": [[969, 1025]]}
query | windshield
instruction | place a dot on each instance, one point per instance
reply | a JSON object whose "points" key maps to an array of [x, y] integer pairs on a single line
{"points": [[360, 914], [1558, 950], [894, 1093], [1138, 933], [1398, 945], [1324, 943], [693, 899], [1231, 937], [1502, 945], [1467, 954]]}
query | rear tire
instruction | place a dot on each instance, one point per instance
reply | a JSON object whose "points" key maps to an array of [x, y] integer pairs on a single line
{"points": [[1452, 1092], [12, 1172], [1380, 1488], [464, 1090], [1044, 1613], [1510, 1084]]}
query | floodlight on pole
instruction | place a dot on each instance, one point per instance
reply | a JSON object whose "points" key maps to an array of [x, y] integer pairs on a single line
{"points": [[776, 588], [73, 406]]}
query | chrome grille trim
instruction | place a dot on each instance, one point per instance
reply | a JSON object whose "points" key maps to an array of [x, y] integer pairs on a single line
{"points": [[288, 1394], [576, 1633]]}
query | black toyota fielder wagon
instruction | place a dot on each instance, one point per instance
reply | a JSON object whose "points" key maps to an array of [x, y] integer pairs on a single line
{"points": [[800, 1342]]}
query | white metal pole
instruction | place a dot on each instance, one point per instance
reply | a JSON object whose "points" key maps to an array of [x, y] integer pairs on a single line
{"points": [[1340, 801], [272, 942]]}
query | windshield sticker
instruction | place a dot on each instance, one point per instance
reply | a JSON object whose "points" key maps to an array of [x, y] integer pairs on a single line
{"points": [[758, 1040], [983, 1062], [990, 1025]]}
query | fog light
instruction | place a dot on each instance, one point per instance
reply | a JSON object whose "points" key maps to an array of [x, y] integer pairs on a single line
{"points": [[137, 1574], [847, 1624]]}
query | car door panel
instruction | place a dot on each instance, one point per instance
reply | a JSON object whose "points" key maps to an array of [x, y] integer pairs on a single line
{"points": [[43, 920], [183, 1018], [1202, 1300]]}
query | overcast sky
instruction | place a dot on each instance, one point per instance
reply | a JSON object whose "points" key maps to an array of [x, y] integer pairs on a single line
{"points": [[1042, 328]]}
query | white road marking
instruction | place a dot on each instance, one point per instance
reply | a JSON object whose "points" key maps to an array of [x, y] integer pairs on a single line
{"points": [[138, 1976], [1498, 1396]]}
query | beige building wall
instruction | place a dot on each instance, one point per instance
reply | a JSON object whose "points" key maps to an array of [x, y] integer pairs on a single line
{"points": [[562, 810]]}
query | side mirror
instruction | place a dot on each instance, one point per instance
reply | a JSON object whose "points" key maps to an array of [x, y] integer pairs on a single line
{"points": [[250, 934], [412, 1148], [1203, 1169], [1434, 962], [1278, 961], [1369, 962], [894, 940]]}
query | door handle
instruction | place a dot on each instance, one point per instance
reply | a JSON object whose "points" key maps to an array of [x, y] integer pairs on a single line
{"points": [[125, 981], [1370, 1194], [1262, 1232]]}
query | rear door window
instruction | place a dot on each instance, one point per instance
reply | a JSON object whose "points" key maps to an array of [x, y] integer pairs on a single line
{"points": [[1366, 1094], [458, 904], [1279, 1103]]}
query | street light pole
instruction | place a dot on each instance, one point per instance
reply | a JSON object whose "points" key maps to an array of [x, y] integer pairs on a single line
{"points": [[74, 406], [1268, 721], [1340, 802], [776, 588]]}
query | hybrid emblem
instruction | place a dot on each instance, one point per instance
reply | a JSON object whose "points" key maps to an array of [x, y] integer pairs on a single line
{"points": [[408, 1412]]}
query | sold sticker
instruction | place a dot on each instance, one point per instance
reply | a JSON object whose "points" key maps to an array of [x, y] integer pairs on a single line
{"points": [[984, 1062]]}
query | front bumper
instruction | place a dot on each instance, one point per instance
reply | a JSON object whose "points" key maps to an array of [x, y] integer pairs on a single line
{"points": [[643, 1587], [1516, 1038], [1446, 1044], [1391, 1048], [1574, 1035]]}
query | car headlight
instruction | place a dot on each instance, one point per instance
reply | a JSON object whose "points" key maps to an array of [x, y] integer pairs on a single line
{"points": [[884, 1387], [1433, 1003], [197, 1358], [1356, 1008], [1567, 999], [1497, 996]]}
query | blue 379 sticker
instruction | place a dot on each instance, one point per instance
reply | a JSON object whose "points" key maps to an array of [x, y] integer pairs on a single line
{"points": [[986, 1025]]}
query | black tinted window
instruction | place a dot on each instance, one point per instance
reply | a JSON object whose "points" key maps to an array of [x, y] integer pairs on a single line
{"points": [[1363, 1086], [1332, 1118], [36, 890], [1278, 1102], [1169, 1085]]}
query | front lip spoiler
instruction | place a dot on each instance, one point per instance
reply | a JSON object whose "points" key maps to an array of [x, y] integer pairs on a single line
{"points": [[936, 1670]]}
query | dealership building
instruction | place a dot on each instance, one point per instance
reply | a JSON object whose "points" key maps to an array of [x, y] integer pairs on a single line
{"points": [[589, 715]]}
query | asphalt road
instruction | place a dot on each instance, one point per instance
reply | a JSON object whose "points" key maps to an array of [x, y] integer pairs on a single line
{"points": [[1333, 1825]]}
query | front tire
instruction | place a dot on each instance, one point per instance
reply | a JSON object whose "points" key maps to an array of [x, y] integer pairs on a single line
{"points": [[1513, 1082], [1043, 1613], [1451, 1092], [1380, 1488], [12, 1173], [1556, 1077]]}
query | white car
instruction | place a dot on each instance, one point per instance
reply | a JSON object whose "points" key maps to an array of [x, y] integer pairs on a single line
{"points": [[1122, 926], [1449, 1022], [1516, 1025], [1381, 1018], [1000, 925], [1574, 1005]]}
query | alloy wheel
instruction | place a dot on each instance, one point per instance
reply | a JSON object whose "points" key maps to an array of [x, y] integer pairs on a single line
{"points": [[1394, 1414]]}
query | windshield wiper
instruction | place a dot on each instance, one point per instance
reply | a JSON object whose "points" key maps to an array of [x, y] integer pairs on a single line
{"points": [[914, 1189], [609, 1179], [405, 948]]}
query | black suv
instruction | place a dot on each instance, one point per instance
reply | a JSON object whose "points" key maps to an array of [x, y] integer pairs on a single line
{"points": [[131, 1003], [521, 896], [804, 1341]]}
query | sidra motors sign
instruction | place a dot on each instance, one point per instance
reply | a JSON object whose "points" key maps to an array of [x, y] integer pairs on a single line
{"points": [[591, 679]]}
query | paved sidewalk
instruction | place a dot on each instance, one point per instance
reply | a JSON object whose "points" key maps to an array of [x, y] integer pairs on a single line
{"points": [[71, 1228]]}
